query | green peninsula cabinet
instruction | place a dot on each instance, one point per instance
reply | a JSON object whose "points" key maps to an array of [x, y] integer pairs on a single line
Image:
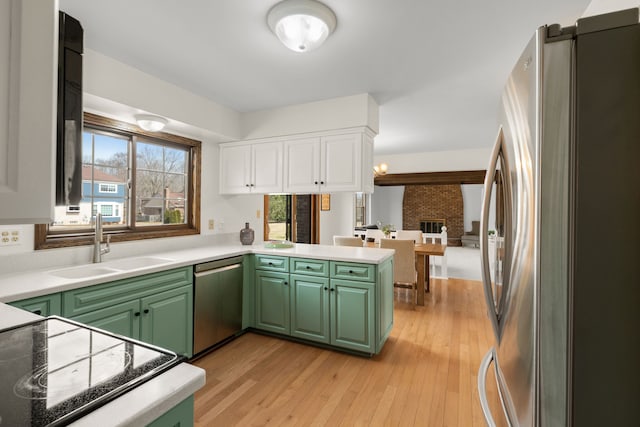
{"points": [[272, 294], [155, 308], [310, 317], [340, 304]]}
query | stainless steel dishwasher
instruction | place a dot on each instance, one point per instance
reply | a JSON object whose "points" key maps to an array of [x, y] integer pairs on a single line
{"points": [[217, 307]]}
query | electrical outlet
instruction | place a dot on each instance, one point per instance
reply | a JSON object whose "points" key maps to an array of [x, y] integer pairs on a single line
{"points": [[210, 224], [9, 237], [258, 213]]}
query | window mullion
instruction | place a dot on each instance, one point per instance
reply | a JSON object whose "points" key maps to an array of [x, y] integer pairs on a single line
{"points": [[133, 192]]}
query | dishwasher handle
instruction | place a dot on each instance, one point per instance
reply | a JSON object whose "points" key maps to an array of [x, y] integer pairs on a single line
{"points": [[217, 270], [216, 264]]}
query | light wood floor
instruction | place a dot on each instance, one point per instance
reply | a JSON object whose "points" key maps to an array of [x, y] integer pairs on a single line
{"points": [[426, 374]]}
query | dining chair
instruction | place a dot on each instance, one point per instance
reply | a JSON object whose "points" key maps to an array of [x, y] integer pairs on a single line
{"points": [[404, 264], [347, 241], [374, 233], [415, 235]]}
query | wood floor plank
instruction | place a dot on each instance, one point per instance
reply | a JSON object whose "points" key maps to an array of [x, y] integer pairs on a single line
{"points": [[426, 375]]}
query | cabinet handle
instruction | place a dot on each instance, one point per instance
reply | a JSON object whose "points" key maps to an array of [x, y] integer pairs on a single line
{"points": [[315, 182], [321, 182], [145, 311], [308, 268], [350, 271], [37, 312], [253, 185], [137, 313], [332, 289], [325, 288], [286, 283], [246, 185], [271, 264]]}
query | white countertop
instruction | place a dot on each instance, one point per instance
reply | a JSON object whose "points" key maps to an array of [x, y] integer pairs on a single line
{"points": [[148, 401], [139, 406], [12, 316], [28, 284]]}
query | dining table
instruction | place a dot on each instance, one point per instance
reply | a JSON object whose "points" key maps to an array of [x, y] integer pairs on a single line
{"points": [[422, 252]]}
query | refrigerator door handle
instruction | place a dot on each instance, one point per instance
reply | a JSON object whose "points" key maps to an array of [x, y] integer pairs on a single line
{"points": [[482, 388], [484, 239]]}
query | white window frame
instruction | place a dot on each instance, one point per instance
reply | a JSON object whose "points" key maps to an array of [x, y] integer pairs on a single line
{"points": [[108, 185]]}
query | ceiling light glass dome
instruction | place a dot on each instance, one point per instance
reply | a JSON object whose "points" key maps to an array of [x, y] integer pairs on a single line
{"points": [[301, 25]]}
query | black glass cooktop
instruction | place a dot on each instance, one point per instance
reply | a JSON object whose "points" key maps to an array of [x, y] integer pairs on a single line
{"points": [[53, 371]]}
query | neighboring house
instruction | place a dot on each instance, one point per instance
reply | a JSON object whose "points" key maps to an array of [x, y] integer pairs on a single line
{"points": [[152, 208], [106, 192]]}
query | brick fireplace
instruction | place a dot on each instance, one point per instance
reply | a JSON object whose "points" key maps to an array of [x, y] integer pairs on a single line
{"points": [[434, 203]]}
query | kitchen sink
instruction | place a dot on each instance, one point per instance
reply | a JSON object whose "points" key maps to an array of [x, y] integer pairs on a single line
{"points": [[83, 272], [109, 267], [139, 262]]}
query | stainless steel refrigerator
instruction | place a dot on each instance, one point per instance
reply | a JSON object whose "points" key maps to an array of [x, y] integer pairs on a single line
{"points": [[561, 269]]}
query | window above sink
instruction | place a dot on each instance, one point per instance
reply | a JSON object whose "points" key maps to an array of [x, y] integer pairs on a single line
{"points": [[145, 185]]}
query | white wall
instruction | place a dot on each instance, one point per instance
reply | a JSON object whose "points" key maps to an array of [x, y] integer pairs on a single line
{"points": [[339, 220], [336, 113], [228, 212], [386, 205], [437, 161], [597, 7], [472, 202], [107, 78]]}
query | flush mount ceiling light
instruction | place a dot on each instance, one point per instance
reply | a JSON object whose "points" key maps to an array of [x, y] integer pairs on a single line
{"points": [[301, 25], [151, 123]]}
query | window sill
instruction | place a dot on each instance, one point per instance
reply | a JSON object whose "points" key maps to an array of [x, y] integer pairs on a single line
{"points": [[65, 241]]}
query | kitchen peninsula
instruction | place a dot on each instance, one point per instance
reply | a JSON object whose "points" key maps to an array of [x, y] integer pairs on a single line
{"points": [[336, 297]]}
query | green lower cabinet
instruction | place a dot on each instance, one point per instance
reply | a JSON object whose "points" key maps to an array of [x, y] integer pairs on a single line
{"points": [[167, 320], [45, 305], [156, 308], [310, 308], [122, 319], [384, 301], [163, 319], [181, 415], [352, 315], [272, 302], [342, 304]]}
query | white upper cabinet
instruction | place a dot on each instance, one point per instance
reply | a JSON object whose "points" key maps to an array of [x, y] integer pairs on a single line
{"points": [[319, 163], [28, 88], [267, 167], [302, 165], [326, 164], [251, 168], [235, 169], [341, 163]]}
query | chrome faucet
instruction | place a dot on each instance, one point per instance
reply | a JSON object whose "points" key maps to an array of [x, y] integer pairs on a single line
{"points": [[98, 250]]}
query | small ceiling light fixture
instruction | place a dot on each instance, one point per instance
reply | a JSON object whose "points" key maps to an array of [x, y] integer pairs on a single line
{"points": [[301, 25], [151, 123], [380, 169]]}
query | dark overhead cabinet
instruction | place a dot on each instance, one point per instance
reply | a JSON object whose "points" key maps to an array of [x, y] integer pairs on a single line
{"points": [[69, 125]]}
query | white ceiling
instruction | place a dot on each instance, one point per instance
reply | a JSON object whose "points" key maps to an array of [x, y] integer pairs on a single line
{"points": [[436, 68]]}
